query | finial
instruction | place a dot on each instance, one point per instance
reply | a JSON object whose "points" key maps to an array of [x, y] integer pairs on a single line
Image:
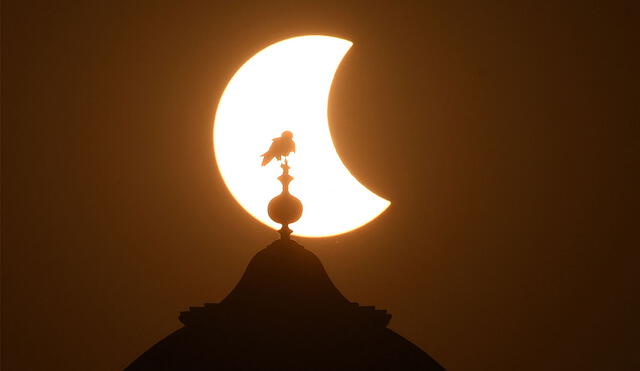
{"points": [[284, 208]]}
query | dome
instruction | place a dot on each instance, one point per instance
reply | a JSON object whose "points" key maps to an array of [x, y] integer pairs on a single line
{"points": [[285, 314]]}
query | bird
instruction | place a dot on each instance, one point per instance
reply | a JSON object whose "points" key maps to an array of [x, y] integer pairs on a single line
{"points": [[280, 147]]}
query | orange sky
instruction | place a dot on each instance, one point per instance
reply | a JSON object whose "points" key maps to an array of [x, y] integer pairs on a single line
{"points": [[501, 133]]}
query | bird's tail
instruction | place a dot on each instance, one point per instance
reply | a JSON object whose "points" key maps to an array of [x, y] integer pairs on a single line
{"points": [[266, 158]]}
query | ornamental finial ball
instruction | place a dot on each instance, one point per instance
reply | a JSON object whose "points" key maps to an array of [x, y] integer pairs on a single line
{"points": [[285, 209]]}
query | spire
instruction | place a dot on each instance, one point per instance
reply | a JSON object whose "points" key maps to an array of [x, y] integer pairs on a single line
{"points": [[285, 208]]}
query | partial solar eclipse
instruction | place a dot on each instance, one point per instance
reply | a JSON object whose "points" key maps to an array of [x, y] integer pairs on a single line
{"points": [[286, 87]]}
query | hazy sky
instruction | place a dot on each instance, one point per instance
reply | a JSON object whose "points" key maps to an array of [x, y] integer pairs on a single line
{"points": [[502, 135]]}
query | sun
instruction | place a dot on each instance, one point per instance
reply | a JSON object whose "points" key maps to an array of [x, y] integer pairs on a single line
{"points": [[286, 86]]}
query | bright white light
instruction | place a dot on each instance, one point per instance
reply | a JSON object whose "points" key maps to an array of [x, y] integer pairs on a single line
{"points": [[286, 87]]}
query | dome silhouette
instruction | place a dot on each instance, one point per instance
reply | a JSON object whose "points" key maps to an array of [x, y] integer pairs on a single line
{"points": [[284, 314]]}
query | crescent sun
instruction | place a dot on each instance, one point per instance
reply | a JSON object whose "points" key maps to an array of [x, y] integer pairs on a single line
{"points": [[286, 86]]}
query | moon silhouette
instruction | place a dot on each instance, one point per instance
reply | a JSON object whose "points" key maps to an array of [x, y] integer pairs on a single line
{"points": [[286, 87]]}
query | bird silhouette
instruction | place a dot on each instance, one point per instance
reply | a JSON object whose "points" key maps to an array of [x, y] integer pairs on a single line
{"points": [[280, 147]]}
